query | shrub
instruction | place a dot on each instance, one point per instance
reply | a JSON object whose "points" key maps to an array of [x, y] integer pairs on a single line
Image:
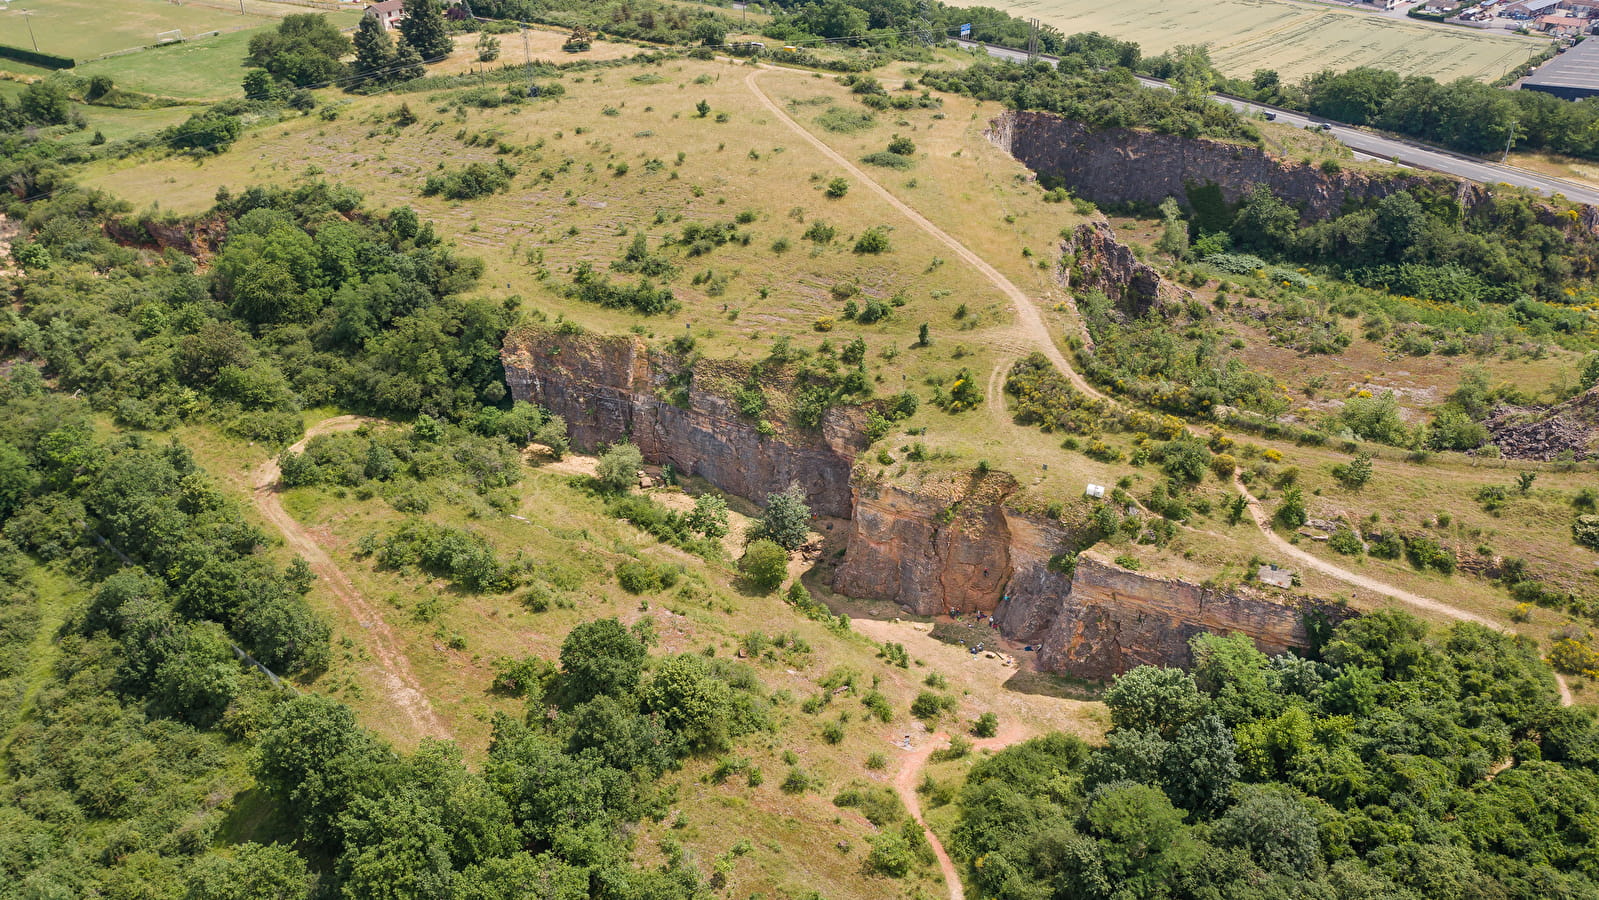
{"points": [[618, 468], [475, 180], [891, 855], [1346, 542], [1355, 473], [901, 146], [833, 732], [639, 577], [764, 563], [1426, 553], [837, 188], [840, 120], [1291, 512], [928, 705], [798, 782], [820, 232], [1586, 531], [986, 726], [873, 240], [888, 160]]}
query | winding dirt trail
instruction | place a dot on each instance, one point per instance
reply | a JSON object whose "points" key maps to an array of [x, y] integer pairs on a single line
{"points": [[905, 786], [1031, 324], [399, 684]]}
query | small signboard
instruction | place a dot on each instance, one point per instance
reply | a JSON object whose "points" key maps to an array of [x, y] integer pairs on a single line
{"points": [[966, 30]]}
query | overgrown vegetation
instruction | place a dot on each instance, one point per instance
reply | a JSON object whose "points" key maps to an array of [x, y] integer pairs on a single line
{"points": [[1253, 775]]}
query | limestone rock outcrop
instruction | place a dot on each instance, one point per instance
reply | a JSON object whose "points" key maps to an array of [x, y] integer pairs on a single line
{"points": [[612, 389], [975, 553], [1131, 166]]}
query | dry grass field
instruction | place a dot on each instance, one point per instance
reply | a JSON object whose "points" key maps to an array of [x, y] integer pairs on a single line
{"points": [[1296, 39], [611, 149]]}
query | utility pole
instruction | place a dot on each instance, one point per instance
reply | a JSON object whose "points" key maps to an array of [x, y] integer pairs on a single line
{"points": [[27, 16], [527, 56], [1032, 40], [1509, 139]]}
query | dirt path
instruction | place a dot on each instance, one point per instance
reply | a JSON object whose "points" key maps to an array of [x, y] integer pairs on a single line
{"points": [[1031, 324], [905, 785], [398, 682], [1028, 319]]}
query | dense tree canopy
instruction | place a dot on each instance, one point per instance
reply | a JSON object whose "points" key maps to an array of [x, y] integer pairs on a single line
{"points": [[1401, 764]]}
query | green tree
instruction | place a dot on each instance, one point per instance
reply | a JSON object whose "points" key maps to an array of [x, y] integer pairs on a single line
{"points": [[786, 521], [702, 109], [709, 516], [250, 872], [691, 702], [314, 759], [1142, 844], [600, 658], [17, 479], [618, 468], [1355, 473], [764, 563], [422, 24], [395, 848], [488, 47], [45, 102], [1201, 766], [1160, 700], [305, 49], [1264, 221], [833, 19], [1356, 96], [1174, 231], [1273, 825], [837, 188], [1290, 512], [374, 52], [198, 678], [986, 726], [408, 63], [710, 32]]}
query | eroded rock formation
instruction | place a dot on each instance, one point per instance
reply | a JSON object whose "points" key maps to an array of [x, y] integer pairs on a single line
{"points": [[1547, 433], [1112, 620], [612, 389], [1122, 165], [936, 551], [1093, 258], [965, 542]]}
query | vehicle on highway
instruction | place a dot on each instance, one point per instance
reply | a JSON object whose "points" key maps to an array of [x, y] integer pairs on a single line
{"points": [[1271, 117], [1326, 127]]}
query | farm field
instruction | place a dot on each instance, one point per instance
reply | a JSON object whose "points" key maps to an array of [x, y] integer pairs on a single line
{"points": [[84, 29], [1295, 39], [209, 68]]}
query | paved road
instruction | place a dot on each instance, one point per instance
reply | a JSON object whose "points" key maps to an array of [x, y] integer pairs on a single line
{"points": [[1376, 146]]}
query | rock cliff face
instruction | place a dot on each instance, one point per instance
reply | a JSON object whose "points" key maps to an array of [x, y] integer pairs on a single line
{"points": [[612, 389], [1100, 261], [1121, 165], [927, 547], [1113, 620], [932, 555]]}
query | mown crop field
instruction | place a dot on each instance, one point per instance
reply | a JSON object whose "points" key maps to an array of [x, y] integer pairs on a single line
{"points": [[1293, 38], [87, 28], [206, 68]]}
